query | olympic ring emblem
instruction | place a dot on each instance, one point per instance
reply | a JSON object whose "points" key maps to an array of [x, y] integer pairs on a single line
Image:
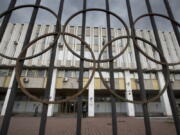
{"points": [[95, 61]]}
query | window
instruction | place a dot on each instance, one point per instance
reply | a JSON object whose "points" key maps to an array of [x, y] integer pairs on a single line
{"points": [[77, 74], [24, 73], [3, 72], [60, 74], [60, 57], [96, 40], [79, 31], [105, 55], [104, 40], [68, 74], [40, 73], [96, 31], [31, 73], [96, 49], [112, 32], [113, 49], [71, 29], [70, 39], [104, 32], [177, 76], [87, 39], [88, 31], [62, 40], [86, 74], [10, 73]]}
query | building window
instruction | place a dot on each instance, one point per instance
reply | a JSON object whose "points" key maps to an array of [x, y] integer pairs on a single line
{"points": [[24, 73], [31, 73], [87, 39], [4, 72], [104, 40], [104, 32], [105, 55], [77, 74], [79, 31], [112, 32], [87, 31], [86, 74], [96, 31], [72, 30], [41, 73], [60, 73], [68, 74], [96, 40], [177, 77]]}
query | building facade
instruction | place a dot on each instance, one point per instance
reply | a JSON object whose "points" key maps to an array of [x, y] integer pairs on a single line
{"points": [[66, 71]]}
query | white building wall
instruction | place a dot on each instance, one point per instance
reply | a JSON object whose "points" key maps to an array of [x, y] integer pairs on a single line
{"points": [[15, 32], [127, 60]]}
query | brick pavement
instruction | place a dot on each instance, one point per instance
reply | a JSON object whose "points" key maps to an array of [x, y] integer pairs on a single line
{"points": [[90, 126]]}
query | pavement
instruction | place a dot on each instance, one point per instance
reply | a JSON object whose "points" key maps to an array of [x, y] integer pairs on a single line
{"points": [[90, 126]]}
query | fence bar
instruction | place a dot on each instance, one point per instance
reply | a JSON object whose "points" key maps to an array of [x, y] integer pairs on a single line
{"points": [[7, 116], [79, 98], [169, 90], [6, 19], [43, 120], [170, 13], [140, 74], [111, 71]]}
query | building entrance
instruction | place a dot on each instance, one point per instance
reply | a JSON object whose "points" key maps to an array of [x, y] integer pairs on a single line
{"points": [[68, 107]]}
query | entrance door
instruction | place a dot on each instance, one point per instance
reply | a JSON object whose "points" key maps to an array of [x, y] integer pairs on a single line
{"points": [[68, 107]]}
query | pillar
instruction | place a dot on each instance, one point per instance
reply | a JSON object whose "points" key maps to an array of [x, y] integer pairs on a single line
{"points": [[129, 94], [52, 93], [164, 98], [8, 93], [91, 97]]}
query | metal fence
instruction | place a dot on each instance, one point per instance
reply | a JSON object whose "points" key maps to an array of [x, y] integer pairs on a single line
{"points": [[96, 62]]}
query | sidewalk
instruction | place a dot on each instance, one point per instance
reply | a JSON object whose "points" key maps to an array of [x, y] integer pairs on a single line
{"points": [[90, 126]]}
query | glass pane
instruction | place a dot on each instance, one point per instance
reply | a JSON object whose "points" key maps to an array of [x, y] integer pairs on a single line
{"points": [[86, 74], [3, 72], [31, 73], [68, 73], [96, 40], [40, 73]]}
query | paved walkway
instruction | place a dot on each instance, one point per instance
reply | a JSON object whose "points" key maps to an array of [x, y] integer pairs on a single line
{"points": [[90, 126]]}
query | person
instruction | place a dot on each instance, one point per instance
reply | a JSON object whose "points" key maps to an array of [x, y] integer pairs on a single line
{"points": [[84, 110], [36, 111]]}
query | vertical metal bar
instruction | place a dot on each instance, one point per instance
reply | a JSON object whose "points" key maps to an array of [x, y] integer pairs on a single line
{"points": [[170, 13], [169, 90], [111, 71], [50, 74], [7, 116], [140, 75], [79, 99], [6, 19]]}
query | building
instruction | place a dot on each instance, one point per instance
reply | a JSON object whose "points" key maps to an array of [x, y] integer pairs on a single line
{"points": [[66, 72]]}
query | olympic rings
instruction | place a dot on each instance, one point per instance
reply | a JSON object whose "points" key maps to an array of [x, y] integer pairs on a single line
{"points": [[167, 80], [93, 60], [149, 57], [24, 90], [35, 6], [102, 10]]}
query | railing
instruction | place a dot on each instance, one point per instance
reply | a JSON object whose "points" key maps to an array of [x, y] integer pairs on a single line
{"points": [[111, 88]]}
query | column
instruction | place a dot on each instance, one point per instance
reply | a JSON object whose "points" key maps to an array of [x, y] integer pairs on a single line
{"points": [[52, 93], [164, 98], [8, 93], [91, 97], [129, 94]]}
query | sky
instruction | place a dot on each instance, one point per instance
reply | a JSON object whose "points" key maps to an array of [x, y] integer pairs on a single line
{"points": [[97, 18]]}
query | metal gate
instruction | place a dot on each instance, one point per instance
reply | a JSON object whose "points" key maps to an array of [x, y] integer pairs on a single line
{"points": [[131, 35]]}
